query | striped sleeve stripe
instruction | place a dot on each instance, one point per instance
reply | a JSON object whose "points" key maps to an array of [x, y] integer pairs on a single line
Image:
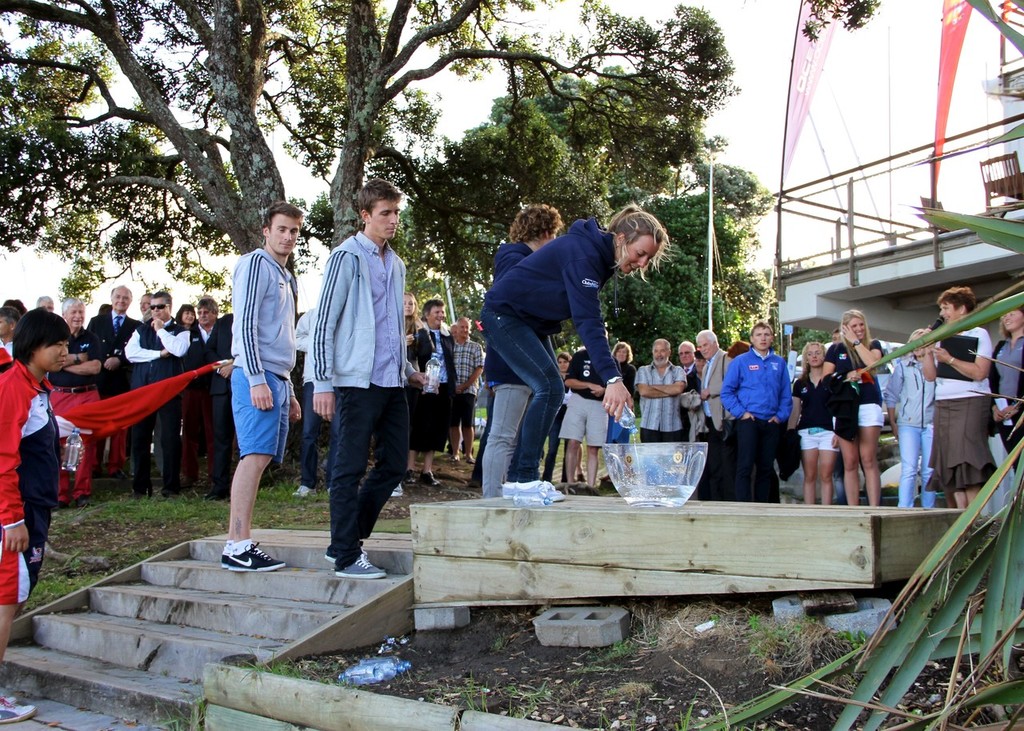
{"points": [[250, 315], [321, 345]]}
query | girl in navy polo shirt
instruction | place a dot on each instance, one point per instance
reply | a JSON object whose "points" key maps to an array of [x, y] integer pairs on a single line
{"points": [[847, 359], [813, 422]]}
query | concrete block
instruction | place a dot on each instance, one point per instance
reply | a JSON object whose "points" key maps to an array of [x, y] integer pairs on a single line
{"points": [[788, 608], [432, 618], [582, 626], [868, 617]]}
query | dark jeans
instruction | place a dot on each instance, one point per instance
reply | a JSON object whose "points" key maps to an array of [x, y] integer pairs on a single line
{"points": [[718, 481], [362, 414], [223, 443], [169, 416], [311, 426], [533, 360], [653, 436], [756, 442]]}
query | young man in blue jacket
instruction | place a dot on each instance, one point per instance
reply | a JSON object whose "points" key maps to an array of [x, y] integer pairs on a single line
{"points": [[756, 391]]}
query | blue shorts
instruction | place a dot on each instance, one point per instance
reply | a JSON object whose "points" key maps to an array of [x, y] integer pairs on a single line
{"points": [[260, 432]]}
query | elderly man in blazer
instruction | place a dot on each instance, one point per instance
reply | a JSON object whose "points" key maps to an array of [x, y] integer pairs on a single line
{"points": [[718, 480], [114, 330]]}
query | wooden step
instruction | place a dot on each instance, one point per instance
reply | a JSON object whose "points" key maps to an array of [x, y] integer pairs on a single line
{"points": [[244, 614], [178, 652], [89, 683]]}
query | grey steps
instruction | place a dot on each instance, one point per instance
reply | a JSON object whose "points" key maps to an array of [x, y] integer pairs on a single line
{"points": [[174, 651], [244, 614], [88, 683], [393, 557], [140, 648], [312, 585]]}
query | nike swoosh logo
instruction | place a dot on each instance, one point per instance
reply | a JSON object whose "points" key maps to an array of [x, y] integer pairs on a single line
{"points": [[240, 562]]}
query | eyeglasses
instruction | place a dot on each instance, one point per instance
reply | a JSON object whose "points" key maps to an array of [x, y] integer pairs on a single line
{"points": [[158, 307]]}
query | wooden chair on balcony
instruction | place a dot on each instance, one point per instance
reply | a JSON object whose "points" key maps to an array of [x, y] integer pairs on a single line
{"points": [[1002, 178]]}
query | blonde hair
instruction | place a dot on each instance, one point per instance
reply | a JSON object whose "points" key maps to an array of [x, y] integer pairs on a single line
{"points": [[632, 222], [806, 374], [850, 347], [412, 322]]}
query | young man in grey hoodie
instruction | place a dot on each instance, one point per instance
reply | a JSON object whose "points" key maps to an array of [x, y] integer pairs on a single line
{"points": [[359, 372], [262, 399]]}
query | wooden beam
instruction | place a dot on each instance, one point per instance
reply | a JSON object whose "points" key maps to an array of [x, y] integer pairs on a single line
{"points": [[472, 582], [388, 614], [316, 705]]}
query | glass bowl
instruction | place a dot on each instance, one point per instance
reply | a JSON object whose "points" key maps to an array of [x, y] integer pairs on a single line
{"points": [[656, 475]]}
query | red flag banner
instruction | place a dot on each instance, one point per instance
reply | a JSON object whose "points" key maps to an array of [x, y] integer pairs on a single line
{"points": [[955, 14], [109, 416], [808, 61]]}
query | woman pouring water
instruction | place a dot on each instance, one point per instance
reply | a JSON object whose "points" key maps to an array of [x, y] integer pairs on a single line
{"points": [[559, 282]]}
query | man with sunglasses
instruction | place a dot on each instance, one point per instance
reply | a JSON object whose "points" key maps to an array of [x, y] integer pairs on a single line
{"points": [[156, 349]]}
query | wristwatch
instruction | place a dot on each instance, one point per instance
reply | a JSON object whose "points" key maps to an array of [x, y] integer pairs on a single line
{"points": [[616, 379]]}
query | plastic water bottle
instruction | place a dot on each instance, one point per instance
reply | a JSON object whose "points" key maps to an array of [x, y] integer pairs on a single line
{"points": [[72, 452], [628, 419], [374, 670], [531, 498], [433, 373]]}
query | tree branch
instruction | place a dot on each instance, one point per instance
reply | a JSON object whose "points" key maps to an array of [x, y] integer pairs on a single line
{"points": [[193, 204], [113, 108], [460, 16]]}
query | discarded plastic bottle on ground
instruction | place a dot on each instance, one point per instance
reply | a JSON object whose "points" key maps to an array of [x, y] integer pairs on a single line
{"points": [[72, 451], [374, 670], [433, 374], [532, 497], [628, 419]]}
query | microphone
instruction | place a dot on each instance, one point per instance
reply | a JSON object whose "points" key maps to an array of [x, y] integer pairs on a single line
{"points": [[939, 322]]}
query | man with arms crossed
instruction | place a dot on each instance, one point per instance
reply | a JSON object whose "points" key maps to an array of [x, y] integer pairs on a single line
{"points": [[359, 372], [263, 345]]}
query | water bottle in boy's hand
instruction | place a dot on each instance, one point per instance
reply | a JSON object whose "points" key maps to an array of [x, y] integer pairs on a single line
{"points": [[374, 670]]}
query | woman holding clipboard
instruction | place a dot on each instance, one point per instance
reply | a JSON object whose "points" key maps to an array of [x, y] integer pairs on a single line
{"points": [[961, 461]]}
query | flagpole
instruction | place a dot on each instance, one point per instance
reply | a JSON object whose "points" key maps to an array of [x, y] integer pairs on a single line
{"points": [[711, 234]]}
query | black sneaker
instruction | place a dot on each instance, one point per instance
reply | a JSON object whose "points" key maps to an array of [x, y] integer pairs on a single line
{"points": [[427, 478], [252, 559], [410, 477]]}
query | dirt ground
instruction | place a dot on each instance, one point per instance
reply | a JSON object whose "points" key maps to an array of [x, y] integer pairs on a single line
{"points": [[665, 675]]}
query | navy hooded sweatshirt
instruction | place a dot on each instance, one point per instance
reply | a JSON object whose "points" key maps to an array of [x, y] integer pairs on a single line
{"points": [[562, 281]]}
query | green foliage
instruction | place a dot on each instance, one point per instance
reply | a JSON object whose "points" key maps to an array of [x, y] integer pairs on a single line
{"points": [[672, 302]]}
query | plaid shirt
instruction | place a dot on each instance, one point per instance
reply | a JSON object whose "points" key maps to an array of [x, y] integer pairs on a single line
{"points": [[468, 357]]}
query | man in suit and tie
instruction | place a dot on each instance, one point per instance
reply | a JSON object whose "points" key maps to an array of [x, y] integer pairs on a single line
{"points": [[718, 480], [113, 331], [218, 347]]}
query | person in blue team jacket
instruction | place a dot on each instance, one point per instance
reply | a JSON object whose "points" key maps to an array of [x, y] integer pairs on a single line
{"points": [[559, 282], [756, 391]]}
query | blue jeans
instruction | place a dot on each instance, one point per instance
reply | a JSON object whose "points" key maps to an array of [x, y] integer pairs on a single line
{"points": [[915, 450], [531, 357], [362, 414], [311, 425]]}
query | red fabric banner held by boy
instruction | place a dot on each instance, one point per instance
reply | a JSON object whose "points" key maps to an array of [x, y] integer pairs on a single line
{"points": [[107, 417]]}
